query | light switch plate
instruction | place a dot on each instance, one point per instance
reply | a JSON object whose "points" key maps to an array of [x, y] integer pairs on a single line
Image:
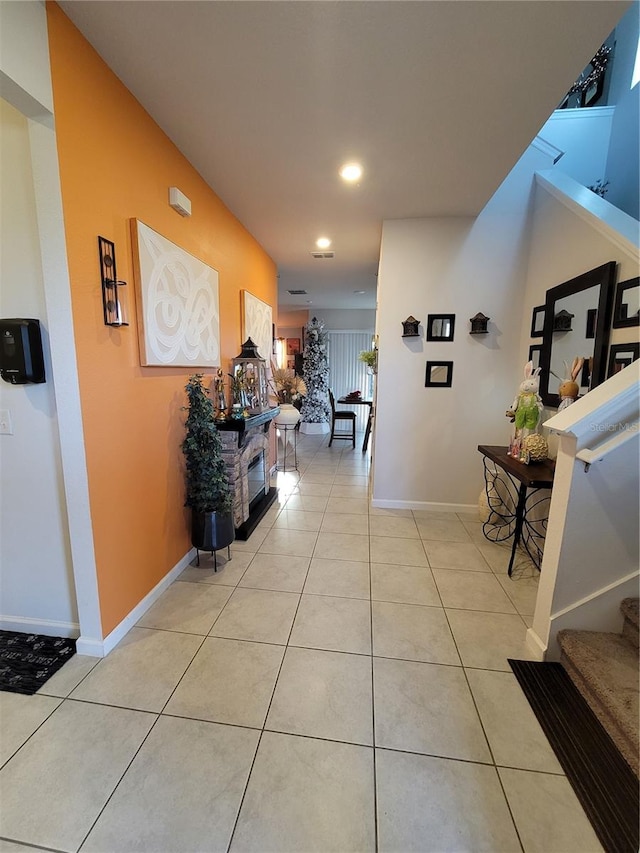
{"points": [[6, 427]]}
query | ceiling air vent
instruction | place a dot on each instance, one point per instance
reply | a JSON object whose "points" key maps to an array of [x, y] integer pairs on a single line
{"points": [[322, 256], [297, 292]]}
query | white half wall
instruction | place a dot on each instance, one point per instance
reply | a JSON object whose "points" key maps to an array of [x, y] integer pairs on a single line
{"points": [[583, 135]]}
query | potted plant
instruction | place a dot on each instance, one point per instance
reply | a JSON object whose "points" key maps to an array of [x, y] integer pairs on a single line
{"points": [[288, 391], [208, 490], [370, 358]]}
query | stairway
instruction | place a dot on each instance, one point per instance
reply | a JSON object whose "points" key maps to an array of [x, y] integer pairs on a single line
{"points": [[604, 668]]}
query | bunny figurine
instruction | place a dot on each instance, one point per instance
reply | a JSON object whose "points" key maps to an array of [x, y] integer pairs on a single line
{"points": [[569, 388], [525, 411]]}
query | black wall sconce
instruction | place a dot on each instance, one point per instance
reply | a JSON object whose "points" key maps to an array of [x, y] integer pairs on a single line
{"points": [[562, 321], [410, 327], [479, 324], [112, 303]]}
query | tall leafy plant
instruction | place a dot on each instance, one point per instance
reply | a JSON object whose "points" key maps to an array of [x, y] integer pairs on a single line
{"points": [[208, 487]]}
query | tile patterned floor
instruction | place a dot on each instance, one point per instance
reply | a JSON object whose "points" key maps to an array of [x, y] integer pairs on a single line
{"points": [[341, 684]]}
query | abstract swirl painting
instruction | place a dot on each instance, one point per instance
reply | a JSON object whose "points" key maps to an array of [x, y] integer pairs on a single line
{"points": [[178, 304], [256, 324]]}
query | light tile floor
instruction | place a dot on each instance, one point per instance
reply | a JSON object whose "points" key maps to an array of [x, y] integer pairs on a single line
{"points": [[341, 684]]}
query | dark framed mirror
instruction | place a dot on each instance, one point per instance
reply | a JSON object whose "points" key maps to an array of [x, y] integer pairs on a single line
{"points": [[537, 321], [627, 308], [621, 356], [440, 327], [439, 374], [593, 290], [534, 354]]}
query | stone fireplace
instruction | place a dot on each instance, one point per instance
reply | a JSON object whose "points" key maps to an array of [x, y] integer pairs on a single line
{"points": [[245, 450]]}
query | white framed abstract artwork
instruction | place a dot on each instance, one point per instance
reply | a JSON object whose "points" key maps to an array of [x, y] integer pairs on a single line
{"points": [[177, 303], [257, 324]]}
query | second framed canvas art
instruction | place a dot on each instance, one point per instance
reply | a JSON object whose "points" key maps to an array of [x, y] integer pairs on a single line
{"points": [[257, 324]]}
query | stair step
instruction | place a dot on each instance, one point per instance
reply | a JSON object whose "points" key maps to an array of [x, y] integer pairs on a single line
{"points": [[604, 668], [630, 609]]}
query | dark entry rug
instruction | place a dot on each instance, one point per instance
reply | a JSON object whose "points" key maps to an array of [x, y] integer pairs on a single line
{"points": [[27, 661], [602, 780]]}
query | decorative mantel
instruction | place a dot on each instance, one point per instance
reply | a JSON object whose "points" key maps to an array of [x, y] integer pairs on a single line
{"points": [[245, 450]]}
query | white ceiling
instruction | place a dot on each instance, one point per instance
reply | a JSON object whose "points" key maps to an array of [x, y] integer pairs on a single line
{"points": [[267, 99]]}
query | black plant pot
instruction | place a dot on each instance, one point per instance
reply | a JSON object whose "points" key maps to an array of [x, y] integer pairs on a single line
{"points": [[211, 531]]}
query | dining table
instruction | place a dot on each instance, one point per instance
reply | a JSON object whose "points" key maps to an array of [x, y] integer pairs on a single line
{"points": [[360, 401]]}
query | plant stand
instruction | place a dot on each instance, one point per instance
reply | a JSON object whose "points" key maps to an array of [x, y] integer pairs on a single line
{"points": [[289, 438], [213, 554], [211, 531]]}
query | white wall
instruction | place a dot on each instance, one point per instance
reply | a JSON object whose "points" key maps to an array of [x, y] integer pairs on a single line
{"points": [[622, 162], [25, 79], [36, 582], [25, 82], [564, 245], [426, 438]]}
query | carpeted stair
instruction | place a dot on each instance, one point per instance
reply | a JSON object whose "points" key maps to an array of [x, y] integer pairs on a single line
{"points": [[604, 668]]}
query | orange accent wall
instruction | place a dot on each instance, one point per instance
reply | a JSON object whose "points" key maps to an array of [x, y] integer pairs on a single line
{"points": [[116, 164]]}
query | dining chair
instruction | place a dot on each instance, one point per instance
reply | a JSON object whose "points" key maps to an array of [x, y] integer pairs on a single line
{"points": [[341, 415]]}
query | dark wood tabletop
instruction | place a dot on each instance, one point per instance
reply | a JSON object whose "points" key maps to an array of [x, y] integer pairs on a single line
{"points": [[536, 475], [346, 401]]}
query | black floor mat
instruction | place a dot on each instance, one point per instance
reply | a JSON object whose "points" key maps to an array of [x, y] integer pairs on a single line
{"points": [[602, 780], [27, 661]]}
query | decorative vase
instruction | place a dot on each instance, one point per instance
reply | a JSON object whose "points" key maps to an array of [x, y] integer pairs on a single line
{"points": [[288, 415], [211, 531]]}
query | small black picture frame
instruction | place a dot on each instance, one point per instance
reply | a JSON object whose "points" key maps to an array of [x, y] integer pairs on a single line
{"points": [[534, 354], [621, 318], [592, 322], [440, 327], [439, 374], [621, 356], [537, 321]]}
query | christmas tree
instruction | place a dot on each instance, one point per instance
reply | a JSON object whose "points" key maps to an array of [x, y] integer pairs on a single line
{"points": [[315, 407]]}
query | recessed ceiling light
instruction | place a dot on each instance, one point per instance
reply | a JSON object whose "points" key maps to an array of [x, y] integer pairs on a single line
{"points": [[323, 242], [359, 291], [351, 172], [309, 302]]}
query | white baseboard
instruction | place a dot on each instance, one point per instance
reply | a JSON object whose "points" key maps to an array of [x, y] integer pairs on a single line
{"points": [[430, 506], [48, 627], [99, 649], [534, 643]]}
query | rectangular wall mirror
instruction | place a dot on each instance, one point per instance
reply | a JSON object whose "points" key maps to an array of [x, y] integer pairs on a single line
{"points": [[534, 354], [621, 356], [439, 374], [537, 322], [562, 342], [627, 308], [440, 327]]}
